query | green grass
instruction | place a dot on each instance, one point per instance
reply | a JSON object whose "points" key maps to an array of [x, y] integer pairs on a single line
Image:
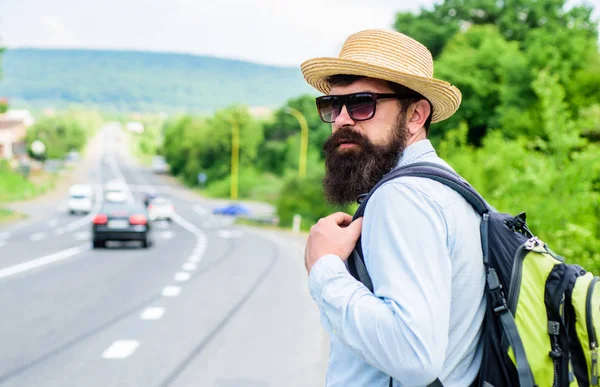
{"points": [[15, 187], [7, 215]]}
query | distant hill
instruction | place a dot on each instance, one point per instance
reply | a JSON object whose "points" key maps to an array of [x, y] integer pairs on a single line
{"points": [[142, 81]]}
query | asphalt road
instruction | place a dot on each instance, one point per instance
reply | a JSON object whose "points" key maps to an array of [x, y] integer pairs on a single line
{"points": [[210, 304]]}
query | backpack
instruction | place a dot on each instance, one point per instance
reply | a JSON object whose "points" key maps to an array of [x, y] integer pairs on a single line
{"points": [[542, 315]]}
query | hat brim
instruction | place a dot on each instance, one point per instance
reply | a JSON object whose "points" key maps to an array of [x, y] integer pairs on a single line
{"points": [[444, 97]]}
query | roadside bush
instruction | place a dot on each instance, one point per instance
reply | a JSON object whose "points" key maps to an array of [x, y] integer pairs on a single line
{"points": [[13, 186], [252, 185], [64, 132], [305, 197]]}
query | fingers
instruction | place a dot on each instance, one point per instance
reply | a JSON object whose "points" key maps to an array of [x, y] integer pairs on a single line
{"points": [[355, 228], [341, 218]]}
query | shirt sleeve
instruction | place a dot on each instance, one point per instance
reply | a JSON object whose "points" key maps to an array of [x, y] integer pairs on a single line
{"points": [[401, 328]]}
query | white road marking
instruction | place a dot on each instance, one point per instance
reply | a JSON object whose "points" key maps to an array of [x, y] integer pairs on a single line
{"points": [[37, 236], [189, 266], [200, 235], [82, 235], [152, 313], [171, 291], [53, 223], [39, 262], [182, 276], [194, 259], [228, 234], [4, 235], [121, 349], [59, 231]]}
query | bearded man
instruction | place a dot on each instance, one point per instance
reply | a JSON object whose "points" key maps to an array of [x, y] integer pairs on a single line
{"points": [[422, 323]]}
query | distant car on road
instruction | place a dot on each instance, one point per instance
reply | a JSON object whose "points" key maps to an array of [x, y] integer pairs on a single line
{"points": [[233, 209], [115, 191], [81, 199], [159, 165], [121, 222], [161, 209]]}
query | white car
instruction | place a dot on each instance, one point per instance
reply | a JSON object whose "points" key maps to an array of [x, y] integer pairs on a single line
{"points": [[81, 199], [159, 165], [160, 209], [115, 191]]}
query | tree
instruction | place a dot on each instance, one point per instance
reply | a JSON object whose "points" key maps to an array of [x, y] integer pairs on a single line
{"points": [[280, 152], [193, 145], [516, 19], [493, 76], [554, 177], [60, 134], [492, 50]]}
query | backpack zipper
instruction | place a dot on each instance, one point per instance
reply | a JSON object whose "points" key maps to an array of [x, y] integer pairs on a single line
{"points": [[592, 331]]}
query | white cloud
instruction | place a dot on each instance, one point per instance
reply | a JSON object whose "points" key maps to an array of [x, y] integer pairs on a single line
{"points": [[57, 33]]}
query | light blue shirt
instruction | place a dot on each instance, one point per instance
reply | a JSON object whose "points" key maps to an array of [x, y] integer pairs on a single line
{"points": [[422, 248]]}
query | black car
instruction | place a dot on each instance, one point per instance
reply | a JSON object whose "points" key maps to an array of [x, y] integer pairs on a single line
{"points": [[121, 222]]}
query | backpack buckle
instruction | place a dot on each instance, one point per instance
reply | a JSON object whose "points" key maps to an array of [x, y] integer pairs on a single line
{"points": [[497, 297]]}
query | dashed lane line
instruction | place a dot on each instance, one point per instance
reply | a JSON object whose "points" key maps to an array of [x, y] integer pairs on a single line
{"points": [[182, 276], [171, 291], [121, 349], [43, 261], [189, 266], [154, 313]]}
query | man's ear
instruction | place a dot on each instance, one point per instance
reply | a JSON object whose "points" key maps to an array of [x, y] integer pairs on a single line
{"points": [[417, 115]]}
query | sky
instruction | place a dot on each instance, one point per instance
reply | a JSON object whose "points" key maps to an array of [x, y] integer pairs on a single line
{"points": [[277, 32]]}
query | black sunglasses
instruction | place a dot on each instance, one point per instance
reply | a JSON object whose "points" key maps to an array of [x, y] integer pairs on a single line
{"points": [[360, 106]]}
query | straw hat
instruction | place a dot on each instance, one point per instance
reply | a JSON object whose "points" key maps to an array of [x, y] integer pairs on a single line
{"points": [[393, 57]]}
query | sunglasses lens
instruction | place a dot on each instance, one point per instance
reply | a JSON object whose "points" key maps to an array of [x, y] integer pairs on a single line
{"points": [[329, 108], [361, 106]]}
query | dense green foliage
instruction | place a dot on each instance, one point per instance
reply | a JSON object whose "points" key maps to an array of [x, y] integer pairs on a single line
{"points": [[142, 81], [64, 132], [555, 178], [492, 51]]}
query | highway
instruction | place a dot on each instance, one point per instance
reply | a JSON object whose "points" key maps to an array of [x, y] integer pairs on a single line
{"points": [[210, 304]]}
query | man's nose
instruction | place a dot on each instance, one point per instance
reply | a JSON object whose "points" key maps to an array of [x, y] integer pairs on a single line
{"points": [[343, 119]]}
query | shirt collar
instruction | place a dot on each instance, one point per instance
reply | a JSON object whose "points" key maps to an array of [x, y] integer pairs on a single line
{"points": [[415, 151]]}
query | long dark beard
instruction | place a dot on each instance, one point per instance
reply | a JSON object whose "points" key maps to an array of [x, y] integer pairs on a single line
{"points": [[354, 171]]}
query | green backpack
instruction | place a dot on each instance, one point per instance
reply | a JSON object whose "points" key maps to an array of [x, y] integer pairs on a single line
{"points": [[543, 314]]}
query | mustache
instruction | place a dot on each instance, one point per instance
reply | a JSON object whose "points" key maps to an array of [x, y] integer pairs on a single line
{"points": [[345, 134]]}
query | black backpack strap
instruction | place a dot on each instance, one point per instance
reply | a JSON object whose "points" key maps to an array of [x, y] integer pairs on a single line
{"points": [[444, 175]]}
